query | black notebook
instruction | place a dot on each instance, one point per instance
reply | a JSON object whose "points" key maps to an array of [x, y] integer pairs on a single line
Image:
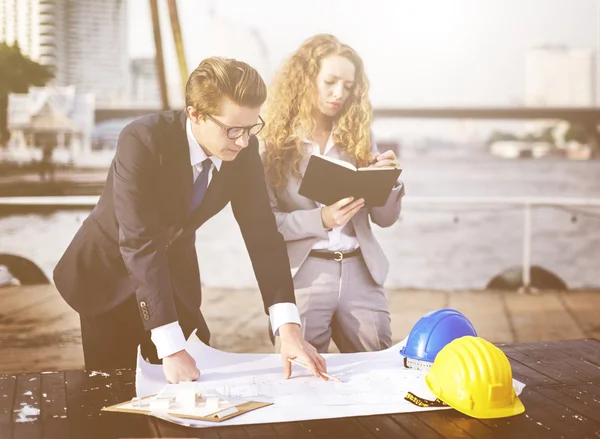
{"points": [[328, 180]]}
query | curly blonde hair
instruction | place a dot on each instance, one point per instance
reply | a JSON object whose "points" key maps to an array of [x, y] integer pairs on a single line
{"points": [[291, 100]]}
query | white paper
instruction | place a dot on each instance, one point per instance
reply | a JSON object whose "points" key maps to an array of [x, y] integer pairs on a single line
{"points": [[375, 383]]}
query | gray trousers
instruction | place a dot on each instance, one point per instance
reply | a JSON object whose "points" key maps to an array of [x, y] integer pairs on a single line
{"points": [[341, 301]]}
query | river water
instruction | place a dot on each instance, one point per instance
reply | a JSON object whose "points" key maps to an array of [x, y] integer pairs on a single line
{"points": [[432, 246]]}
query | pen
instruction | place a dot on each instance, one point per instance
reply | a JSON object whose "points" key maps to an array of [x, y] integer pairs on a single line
{"points": [[322, 373]]}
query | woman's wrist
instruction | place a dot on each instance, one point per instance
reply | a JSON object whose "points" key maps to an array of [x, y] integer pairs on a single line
{"points": [[327, 229]]}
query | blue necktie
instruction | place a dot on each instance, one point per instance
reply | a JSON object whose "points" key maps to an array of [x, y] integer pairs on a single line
{"points": [[200, 185]]}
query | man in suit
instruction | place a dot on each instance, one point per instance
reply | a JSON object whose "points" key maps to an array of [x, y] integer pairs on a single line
{"points": [[131, 270]]}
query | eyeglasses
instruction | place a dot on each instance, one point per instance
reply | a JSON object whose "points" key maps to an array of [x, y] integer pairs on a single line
{"points": [[237, 132]]}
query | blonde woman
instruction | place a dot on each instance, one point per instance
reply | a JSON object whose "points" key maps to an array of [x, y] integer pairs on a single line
{"points": [[319, 104]]}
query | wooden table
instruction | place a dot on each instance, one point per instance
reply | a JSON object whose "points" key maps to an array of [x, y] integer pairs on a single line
{"points": [[562, 399]]}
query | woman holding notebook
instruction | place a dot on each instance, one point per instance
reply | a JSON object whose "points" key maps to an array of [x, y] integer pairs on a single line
{"points": [[319, 105]]}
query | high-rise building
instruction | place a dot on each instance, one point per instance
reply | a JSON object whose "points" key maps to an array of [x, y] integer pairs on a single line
{"points": [[145, 91], [559, 76], [85, 40]]}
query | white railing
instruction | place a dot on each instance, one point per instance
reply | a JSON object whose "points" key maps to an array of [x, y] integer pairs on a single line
{"points": [[526, 202], [57, 202]]}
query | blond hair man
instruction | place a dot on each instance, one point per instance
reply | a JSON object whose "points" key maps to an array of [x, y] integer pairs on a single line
{"points": [[131, 270]]}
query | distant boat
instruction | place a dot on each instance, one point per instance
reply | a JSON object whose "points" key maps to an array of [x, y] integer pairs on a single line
{"points": [[583, 152], [512, 149]]}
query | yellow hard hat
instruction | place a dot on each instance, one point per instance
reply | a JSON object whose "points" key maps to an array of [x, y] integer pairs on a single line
{"points": [[474, 377]]}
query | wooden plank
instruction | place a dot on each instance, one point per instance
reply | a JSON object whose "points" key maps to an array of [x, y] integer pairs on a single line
{"points": [[123, 384], [473, 427], [487, 313], [541, 317], [8, 384], [47, 316], [441, 425], [66, 356], [205, 433], [407, 307], [591, 370], [585, 349], [259, 431], [53, 405], [16, 299], [26, 411], [43, 334], [78, 412], [528, 375], [578, 398], [383, 427], [42, 316], [557, 417], [415, 426], [237, 320], [339, 427], [584, 306], [552, 369], [551, 356], [102, 392], [161, 428], [87, 393], [291, 430], [520, 427], [528, 425], [562, 349], [234, 432], [588, 393]]}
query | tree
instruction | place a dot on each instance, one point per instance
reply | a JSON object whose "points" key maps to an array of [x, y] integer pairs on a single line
{"points": [[577, 133], [546, 135], [499, 136], [17, 74]]}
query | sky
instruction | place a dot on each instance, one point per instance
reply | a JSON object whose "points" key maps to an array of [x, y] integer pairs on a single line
{"points": [[426, 52]]}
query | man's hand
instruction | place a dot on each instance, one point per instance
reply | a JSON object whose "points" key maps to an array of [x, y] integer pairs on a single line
{"points": [[385, 160], [293, 346], [180, 367], [339, 213]]}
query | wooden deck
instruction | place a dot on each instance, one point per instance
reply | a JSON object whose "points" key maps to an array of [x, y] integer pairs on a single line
{"points": [[561, 399], [40, 332]]}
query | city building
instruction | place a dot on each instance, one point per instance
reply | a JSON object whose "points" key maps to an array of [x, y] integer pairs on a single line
{"points": [[145, 91], [559, 76], [85, 40]]}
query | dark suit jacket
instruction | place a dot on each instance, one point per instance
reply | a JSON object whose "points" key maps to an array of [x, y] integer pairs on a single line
{"points": [[140, 237]]}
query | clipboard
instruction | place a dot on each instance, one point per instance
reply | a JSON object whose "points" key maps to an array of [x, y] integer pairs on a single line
{"points": [[243, 407]]}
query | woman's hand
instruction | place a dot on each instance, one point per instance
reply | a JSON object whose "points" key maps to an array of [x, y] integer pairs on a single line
{"points": [[339, 213], [385, 160]]}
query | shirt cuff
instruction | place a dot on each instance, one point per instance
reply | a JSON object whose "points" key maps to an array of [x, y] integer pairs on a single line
{"points": [[282, 313], [168, 339]]}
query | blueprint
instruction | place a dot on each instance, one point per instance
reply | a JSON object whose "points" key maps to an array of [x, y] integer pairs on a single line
{"points": [[374, 383]]}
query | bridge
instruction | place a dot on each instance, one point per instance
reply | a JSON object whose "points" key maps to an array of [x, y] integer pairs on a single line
{"points": [[588, 117], [584, 115]]}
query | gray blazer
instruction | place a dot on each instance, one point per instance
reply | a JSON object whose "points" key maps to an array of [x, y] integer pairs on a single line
{"points": [[299, 221]]}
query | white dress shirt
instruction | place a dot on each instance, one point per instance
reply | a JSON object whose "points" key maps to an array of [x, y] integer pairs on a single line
{"points": [[342, 239], [338, 240], [169, 338]]}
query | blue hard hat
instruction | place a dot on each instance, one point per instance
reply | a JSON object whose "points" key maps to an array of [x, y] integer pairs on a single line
{"points": [[433, 331]]}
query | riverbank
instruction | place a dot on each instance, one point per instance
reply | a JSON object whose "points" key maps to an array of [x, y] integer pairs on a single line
{"points": [[39, 331], [67, 181]]}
